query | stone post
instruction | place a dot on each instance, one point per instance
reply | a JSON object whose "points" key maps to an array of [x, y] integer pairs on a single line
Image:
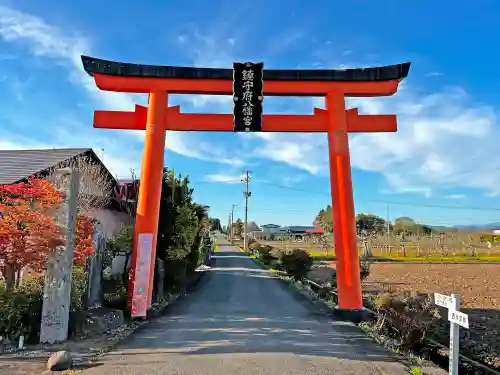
{"points": [[57, 291]]}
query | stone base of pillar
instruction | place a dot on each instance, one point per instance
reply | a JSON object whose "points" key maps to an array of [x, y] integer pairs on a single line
{"points": [[351, 315]]}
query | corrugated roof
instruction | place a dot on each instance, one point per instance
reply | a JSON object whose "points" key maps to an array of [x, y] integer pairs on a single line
{"points": [[18, 164]]}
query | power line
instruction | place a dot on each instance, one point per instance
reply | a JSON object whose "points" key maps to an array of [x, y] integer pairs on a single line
{"points": [[385, 201]]}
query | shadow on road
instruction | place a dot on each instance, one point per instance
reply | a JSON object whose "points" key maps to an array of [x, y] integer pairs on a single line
{"points": [[254, 334], [244, 309]]}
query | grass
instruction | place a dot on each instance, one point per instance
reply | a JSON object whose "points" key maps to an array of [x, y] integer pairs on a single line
{"points": [[429, 258], [381, 255]]}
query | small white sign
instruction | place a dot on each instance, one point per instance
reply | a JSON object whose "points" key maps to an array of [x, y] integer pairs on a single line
{"points": [[459, 318], [443, 300]]}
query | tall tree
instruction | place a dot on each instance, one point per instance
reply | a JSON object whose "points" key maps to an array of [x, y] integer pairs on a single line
{"points": [[215, 224], [324, 219], [28, 230], [238, 227], [370, 224], [407, 226], [182, 224]]}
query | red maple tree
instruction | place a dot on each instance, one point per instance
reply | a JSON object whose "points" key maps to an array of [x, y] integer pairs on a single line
{"points": [[84, 246], [28, 229]]}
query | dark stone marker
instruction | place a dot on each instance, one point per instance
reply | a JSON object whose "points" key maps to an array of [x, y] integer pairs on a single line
{"points": [[247, 96]]}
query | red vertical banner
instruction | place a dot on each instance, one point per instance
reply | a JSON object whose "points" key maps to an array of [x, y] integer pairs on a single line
{"points": [[142, 268]]}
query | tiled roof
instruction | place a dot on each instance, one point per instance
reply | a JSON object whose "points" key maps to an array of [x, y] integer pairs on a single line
{"points": [[18, 164], [270, 226]]}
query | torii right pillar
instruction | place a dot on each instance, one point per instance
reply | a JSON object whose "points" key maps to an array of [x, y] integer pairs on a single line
{"points": [[350, 299]]}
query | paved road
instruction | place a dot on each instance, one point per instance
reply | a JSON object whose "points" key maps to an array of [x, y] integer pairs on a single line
{"points": [[243, 321]]}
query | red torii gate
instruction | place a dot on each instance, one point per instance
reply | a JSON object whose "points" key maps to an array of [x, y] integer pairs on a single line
{"points": [[336, 121]]}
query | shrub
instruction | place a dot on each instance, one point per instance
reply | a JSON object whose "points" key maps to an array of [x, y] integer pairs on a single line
{"points": [[254, 247], [263, 252], [416, 371], [21, 309], [116, 299], [364, 267], [78, 288], [267, 254], [405, 318], [296, 262]]}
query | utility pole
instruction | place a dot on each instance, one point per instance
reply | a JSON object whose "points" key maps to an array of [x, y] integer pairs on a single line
{"points": [[231, 222], [388, 219], [388, 228], [246, 194]]}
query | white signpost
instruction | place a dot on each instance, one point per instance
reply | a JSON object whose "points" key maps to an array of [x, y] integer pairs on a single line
{"points": [[456, 319]]}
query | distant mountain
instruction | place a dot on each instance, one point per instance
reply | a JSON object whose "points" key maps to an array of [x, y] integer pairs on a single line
{"points": [[488, 226]]}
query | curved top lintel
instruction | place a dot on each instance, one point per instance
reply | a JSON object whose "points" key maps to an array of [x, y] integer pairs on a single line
{"points": [[113, 68]]}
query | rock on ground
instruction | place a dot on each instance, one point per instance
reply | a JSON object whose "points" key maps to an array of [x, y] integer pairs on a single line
{"points": [[60, 361]]}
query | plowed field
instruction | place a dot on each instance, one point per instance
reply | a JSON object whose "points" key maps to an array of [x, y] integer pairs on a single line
{"points": [[477, 284]]}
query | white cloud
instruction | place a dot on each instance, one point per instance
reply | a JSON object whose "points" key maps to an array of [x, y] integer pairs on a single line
{"points": [[49, 41], [444, 140], [434, 74], [293, 179], [223, 178], [455, 196], [13, 145], [296, 150]]}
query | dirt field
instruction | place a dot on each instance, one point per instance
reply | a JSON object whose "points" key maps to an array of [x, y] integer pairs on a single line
{"points": [[477, 284]]}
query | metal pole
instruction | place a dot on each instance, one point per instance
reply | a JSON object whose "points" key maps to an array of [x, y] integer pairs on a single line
{"points": [[454, 338], [246, 180], [232, 221], [388, 220]]}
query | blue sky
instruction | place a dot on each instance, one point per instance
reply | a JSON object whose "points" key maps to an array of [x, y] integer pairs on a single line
{"points": [[442, 167]]}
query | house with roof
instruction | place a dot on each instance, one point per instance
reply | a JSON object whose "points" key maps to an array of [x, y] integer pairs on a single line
{"points": [[271, 228], [19, 165]]}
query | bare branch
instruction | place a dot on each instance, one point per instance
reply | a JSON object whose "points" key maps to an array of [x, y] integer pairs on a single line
{"points": [[95, 185]]}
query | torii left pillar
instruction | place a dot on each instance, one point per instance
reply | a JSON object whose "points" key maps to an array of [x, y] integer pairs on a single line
{"points": [[148, 206]]}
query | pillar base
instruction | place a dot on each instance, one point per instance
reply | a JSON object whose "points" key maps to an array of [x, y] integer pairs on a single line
{"points": [[351, 315]]}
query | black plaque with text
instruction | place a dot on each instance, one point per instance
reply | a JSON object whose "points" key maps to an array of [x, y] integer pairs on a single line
{"points": [[247, 96]]}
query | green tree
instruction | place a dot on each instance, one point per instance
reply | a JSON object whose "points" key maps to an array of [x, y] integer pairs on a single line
{"points": [[370, 224], [238, 227], [324, 219], [182, 225], [215, 224], [407, 226]]}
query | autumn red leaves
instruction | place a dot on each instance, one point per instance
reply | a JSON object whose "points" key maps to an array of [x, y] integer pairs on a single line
{"points": [[28, 228]]}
